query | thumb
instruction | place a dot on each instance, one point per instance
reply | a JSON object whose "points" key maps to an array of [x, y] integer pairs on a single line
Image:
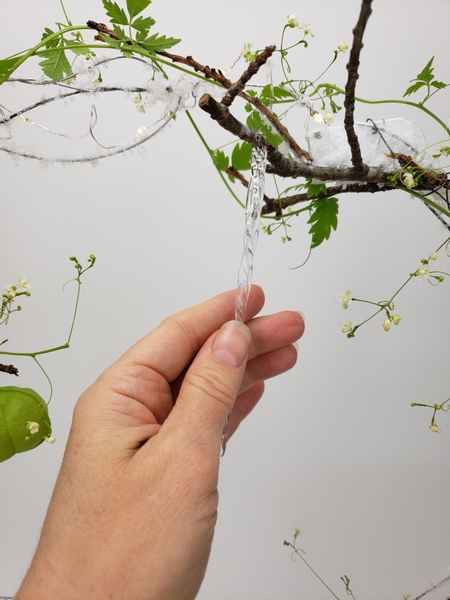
{"points": [[211, 384]]}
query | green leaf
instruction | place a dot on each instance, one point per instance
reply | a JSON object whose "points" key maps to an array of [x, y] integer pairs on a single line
{"points": [[323, 220], [137, 6], [276, 94], [78, 51], [119, 32], [56, 66], [115, 13], [414, 88], [427, 73], [314, 189], [157, 43], [255, 122], [7, 66], [51, 43], [142, 24], [220, 160], [440, 85], [241, 156]]}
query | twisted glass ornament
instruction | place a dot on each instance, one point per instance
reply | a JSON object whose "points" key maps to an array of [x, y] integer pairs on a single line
{"points": [[253, 204]]}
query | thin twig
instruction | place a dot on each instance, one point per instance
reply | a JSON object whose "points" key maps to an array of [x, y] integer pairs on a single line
{"points": [[433, 588], [253, 68], [235, 173], [11, 369], [353, 75], [276, 205]]}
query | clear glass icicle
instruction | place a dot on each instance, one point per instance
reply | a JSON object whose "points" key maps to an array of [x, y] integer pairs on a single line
{"points": [[253, 205]]}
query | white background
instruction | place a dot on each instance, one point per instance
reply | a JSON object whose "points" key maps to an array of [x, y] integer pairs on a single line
{"points": [[334, 448]]}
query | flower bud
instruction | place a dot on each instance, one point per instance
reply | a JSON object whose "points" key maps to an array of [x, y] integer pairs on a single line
{"points": [[387, 324]]}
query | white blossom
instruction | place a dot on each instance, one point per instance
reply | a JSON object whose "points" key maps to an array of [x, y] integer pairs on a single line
{"points": [[345, 298]]}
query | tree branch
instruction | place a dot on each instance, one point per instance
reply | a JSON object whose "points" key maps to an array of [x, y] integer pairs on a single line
{"points": [[353, 75], [253, 68], [279, 164], [11, 369], [219, 77], [276, 205]]}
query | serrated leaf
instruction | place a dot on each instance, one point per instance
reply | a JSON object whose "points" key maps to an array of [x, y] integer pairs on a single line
{"points": [[115, 13], [275, 93], [78, 51], [440, 85], [51, 43], [56, 66], [427, 72], [119, 32], [241, 156], [142, 24], [255, 122], [414, 88], [314, 189], [137, 6], [220, 160], [323, 220], [157, 43]]}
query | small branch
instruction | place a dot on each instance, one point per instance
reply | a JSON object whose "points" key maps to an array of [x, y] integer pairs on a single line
{"points": [[433, 588], [235, 173], [353, 75], [276, 205], [253, 68], [9, 369]]}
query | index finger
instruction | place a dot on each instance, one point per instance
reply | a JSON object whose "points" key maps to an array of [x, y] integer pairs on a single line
{"points": [[173, 344]]}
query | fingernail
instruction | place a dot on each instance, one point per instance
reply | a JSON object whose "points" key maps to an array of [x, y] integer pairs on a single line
{"points": [[231, 345], [301, 314]]}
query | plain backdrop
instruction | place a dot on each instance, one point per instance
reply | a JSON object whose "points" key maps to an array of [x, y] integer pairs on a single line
{"points": [[334, 448]]}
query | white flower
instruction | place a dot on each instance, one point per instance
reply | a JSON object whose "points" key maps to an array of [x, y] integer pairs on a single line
{"points": [[408, 180], [306, 27], [423, 274], [11, 290], [345, 298], [292, 21], [433, 256], [387, 324], [24, 283], [396, 319], [50, 439], [328, 116], [33, 427], [247, 53], [434, 428], [343, 48], [347, 326]]}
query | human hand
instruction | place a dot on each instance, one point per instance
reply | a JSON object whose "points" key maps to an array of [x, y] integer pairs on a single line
{"points": [[133, 512]]}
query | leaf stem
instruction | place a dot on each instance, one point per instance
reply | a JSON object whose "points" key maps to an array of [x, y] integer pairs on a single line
{"points": [[210, 152]]}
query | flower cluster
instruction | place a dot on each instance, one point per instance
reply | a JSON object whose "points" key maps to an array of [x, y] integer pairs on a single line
{"points": [[342, 48], [247, 53], [13, 291], [423, 272], [305, 27]]}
